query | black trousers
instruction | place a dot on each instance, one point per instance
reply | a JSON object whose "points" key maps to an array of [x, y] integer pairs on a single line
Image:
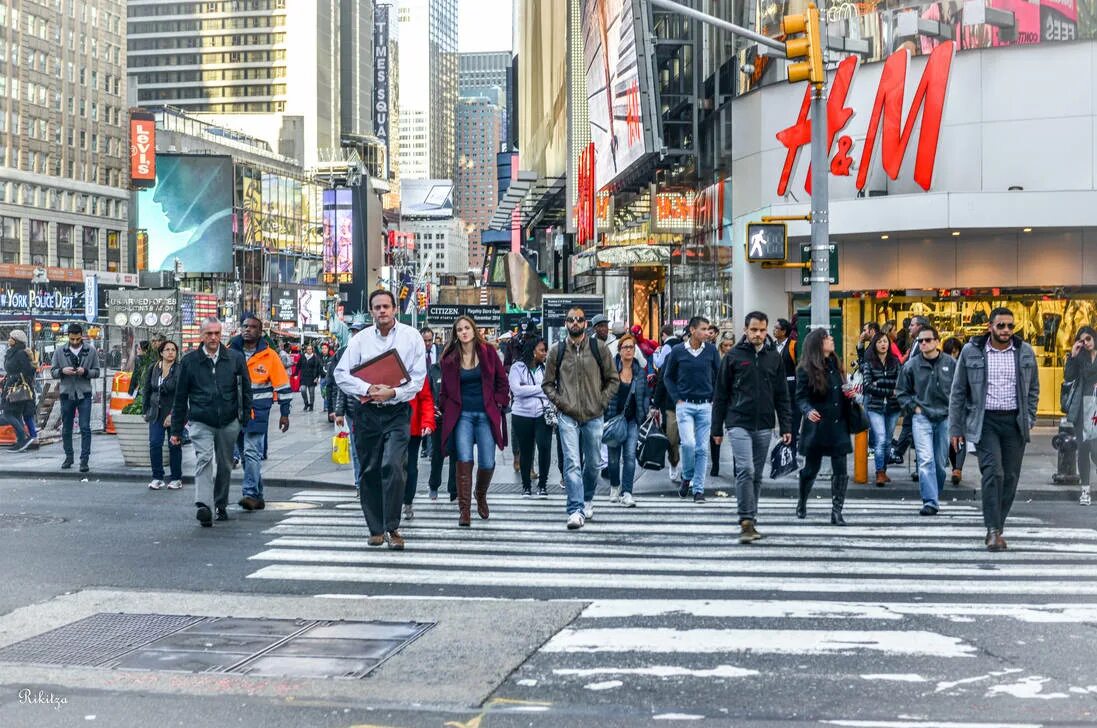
{"points": [[381, 437], [797, 416], [528, 432], [713, 457], [1001, 448], [814, 460], [437, 457], [416, 442], [308, 395]]}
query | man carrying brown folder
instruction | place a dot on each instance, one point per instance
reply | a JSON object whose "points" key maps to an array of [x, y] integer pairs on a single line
{"points": [[382, 425]]}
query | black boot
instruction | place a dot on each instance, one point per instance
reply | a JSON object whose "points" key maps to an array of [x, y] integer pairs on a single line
{"points": [[805, 491], [838, 484]]}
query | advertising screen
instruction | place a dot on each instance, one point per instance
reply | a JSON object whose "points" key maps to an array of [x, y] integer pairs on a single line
{"points": [[142, 149], [252, 204], [618, 85], [338, 236], [188, 214], [426, 198]]}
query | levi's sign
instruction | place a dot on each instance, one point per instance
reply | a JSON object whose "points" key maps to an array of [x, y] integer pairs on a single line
{"points": [[887, 122]]}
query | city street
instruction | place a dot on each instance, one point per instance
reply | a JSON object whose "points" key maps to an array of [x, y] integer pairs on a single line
{"points": [[648, 614]]}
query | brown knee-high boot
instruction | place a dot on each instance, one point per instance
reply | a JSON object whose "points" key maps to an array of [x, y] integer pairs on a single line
{"points": [[483, 480], [464, 493]]}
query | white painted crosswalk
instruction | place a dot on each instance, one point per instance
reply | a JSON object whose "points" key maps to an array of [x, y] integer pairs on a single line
{"points": [[671, 595]]}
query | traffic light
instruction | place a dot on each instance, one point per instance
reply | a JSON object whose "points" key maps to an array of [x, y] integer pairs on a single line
{"points": [[422, 301], [809, 47]]}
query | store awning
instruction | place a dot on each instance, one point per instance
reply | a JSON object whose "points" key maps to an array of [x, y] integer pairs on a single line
{"points": [[516, 192]]}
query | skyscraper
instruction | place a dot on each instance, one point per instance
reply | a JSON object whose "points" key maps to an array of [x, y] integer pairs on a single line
{"points": [[479, 135], [428, 87], [485, 74], [63, 141]]}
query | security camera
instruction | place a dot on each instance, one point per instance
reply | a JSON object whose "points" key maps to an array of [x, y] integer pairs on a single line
{"points": [[747, 68]]}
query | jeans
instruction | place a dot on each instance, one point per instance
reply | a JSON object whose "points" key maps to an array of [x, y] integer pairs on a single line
{"points": [[749, 448], [14, 415], [213, 466], [70, 407], [622, 460], [694, 426], [474, 428], [381, 435], [1001, 448], [528, 433], [157, 434], [587, 439], [28, 417], [253, 464], [931, 447], [883, 426]]}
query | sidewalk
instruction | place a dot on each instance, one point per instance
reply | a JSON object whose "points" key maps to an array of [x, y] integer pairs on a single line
{"points": [[302, 457]]}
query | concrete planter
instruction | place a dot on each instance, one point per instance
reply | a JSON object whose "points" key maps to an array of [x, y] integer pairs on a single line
{"points": [[133, 439]]}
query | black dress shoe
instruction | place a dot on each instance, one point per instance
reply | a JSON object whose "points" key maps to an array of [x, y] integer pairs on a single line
{"points": [[67, 464], [223, 514], [248, 503], [204, 516], [260, 504], [84, 467]]}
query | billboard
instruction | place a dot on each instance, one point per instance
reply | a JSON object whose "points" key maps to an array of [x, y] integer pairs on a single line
{"points": [[310, 309], [251, 204], [381, 76], [338, 235], [142, 149], [619, 90], [187, 215], [426, 198]]}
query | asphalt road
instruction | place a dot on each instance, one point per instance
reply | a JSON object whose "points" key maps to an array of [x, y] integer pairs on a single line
{"points": [[647, 616]]}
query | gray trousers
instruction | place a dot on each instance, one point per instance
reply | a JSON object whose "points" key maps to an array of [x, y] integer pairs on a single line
{"points": [[749, 448], [381, 436], [213, 450]]}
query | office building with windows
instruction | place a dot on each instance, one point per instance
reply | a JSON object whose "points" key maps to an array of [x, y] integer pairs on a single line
{"points": [[428, 87], [479, 136]]}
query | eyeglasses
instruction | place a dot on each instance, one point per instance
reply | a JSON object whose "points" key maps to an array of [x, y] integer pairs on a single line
{"points": [[1007, 327], [627, 346], [575, 319], [924, 340]]}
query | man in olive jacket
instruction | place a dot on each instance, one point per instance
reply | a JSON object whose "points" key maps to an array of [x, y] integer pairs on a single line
{"points": [[580, 379], [214, 395]]}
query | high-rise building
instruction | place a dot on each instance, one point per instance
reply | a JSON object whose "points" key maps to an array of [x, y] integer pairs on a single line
{"points": [[298, 85], [441, 246], [428, 87], [486, 75], [63, 140], [479, 135]]}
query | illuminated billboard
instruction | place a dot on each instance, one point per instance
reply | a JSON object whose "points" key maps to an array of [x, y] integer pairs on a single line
{"points": [[338, 235], [426, 198], [142, 149], [187, 215], [619, 90]]}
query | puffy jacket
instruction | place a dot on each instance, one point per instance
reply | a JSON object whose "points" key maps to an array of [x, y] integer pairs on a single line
{"points": [[422, 411], [212, 395], [968, 400], [72, 384], [751, 390], [879, 383], [927, 384], [640, 392], [269, 383], [576, 382], [17, 362]]}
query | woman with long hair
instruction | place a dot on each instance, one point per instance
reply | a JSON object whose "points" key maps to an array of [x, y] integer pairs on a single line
{"points": [[157, 398], [824, 401], [1081, 368], [475, 392], [527, 415], [631, 402], [881, 374]]}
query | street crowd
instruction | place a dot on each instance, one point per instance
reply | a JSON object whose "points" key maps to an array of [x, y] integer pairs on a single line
{"points": [[610, 401]]}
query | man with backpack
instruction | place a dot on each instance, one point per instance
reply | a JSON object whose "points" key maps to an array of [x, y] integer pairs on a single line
{"points": [[579, 380]]}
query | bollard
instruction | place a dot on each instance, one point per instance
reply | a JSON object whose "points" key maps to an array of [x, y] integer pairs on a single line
{"points": [[860, 458]]}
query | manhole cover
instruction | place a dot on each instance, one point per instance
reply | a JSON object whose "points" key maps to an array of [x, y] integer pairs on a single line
{"points": [[22, 520], [233, 645]]}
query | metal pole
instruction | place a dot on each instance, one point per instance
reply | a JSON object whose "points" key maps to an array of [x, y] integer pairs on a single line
{"points": [[739, 30], [820, 215]]}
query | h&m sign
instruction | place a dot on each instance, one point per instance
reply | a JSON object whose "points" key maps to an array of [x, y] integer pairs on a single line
{"points": [[887, 121]]}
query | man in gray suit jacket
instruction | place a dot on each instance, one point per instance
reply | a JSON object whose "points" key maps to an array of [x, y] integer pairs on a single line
{"points": [[75, 366]]}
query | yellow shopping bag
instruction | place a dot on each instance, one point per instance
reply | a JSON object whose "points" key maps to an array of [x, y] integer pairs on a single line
{"points": [[340, 448]]}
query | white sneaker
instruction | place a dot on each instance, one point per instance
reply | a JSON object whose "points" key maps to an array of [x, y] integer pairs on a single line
{"points": [[588, 511], [174, 485], [1083, 499], [627, 501], [615, 494], [676, 473], [156, 484], [575, 521]]}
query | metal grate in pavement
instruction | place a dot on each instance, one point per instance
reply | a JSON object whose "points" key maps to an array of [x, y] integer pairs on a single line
{"points": [[231, 645]]}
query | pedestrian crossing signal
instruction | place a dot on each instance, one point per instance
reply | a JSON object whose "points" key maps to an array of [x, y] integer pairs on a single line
{"points": [[767, 241]]}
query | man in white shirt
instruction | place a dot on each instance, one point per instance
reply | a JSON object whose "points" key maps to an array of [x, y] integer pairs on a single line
{"points": [[382, 425]]}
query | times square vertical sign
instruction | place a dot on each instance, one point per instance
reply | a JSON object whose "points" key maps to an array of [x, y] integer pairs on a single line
{"points": [[381, 77]]}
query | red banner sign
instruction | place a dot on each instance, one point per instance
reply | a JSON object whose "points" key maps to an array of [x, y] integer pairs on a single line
{"points": [[584, 197], [887, 121], [142, 150]]}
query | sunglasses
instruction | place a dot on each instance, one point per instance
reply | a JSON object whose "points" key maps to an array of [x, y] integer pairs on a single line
{"points": [[575, 319], [923, 340], [1004, 327]]}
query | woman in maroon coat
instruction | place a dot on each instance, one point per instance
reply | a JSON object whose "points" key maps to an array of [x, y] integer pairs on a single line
{"points": [[475, 392]]}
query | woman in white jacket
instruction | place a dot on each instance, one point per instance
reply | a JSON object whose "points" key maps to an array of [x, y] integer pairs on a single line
{"points": [[527, 415]]}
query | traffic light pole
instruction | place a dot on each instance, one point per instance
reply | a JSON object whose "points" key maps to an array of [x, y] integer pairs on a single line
{"points": [[820, 210]]}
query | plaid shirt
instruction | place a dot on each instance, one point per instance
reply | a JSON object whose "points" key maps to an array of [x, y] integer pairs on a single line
{"points": [[1001, 378]]}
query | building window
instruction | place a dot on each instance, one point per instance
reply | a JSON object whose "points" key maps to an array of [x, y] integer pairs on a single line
{"points": [[64, 245], [91, 248], [38, 244], [114, 252], [9, 238]]}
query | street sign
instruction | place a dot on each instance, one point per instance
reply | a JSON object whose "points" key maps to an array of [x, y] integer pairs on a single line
{"points": [[555, 307], [446, 315], [805, 257], [767, 241]]}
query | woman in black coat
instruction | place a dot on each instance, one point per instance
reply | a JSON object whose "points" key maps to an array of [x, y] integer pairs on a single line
{"points": [[825, 404], [1081, 368], [880, 369], [157, 400], [18, 370], [310, 367]]}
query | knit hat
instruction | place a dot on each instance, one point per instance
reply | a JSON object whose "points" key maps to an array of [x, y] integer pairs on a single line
{"points": [[19, 335]]}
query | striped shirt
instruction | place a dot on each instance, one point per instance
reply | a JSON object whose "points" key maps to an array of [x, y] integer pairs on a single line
{"points": [[1001, 378]]}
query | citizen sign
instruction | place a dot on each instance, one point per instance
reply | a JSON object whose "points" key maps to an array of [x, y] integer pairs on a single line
{"points": [[888, 121]]}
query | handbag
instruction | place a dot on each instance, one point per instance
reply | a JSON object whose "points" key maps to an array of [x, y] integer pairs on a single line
{"points": [[651, 445], [152, 406], [1089, 416], [781, 461], [615, 431], [858, 419], [1068, 391], [20, 391]]}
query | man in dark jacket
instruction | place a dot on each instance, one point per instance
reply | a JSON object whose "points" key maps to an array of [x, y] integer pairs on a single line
{"points": [[214, 395], [75, 366], [751, 390], [924, 387]]}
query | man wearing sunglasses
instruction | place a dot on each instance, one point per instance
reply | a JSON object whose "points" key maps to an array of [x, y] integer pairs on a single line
{"points": [[993, 404], [924, 387]]}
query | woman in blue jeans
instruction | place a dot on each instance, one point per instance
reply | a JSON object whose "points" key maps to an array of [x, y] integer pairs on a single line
{"points": [[881, 374], [157, 399], [631, 402], [475, 391]]}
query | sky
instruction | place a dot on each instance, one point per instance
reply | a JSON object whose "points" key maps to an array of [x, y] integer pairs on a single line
{"points": [[484, 25]]}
